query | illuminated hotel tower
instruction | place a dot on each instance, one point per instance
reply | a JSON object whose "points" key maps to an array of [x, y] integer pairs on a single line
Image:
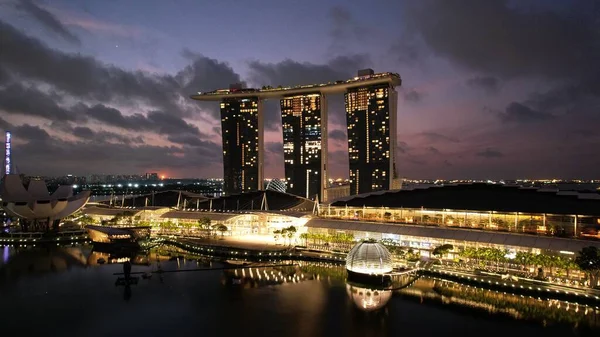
{"points": [[241, 129], [304, 126], [371, 116]]}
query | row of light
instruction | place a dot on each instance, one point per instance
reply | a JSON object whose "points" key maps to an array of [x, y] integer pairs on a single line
{"points": [[539, 298], [513, 285]]}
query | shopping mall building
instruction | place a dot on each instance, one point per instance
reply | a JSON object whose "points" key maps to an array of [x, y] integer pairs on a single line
{"points": [[477, 215]]}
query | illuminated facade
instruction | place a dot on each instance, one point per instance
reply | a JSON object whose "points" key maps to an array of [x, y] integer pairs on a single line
{"points": [[371, 116], [307, 146], [7, 153], [304, 126], [241, 129]]}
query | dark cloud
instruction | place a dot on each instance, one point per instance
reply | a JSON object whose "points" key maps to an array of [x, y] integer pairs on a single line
{"points": [[4, 76], [31, 133], [438, 137], [28, 101], [87, 134], [86, 78], [4, 125], [338, 164], [402, 147], [114, 117], [489, 84], [447, 163], [111, 157], [205, 74], [272, 115], [338, 135], [345, 26], [413, 96], [586, 94], [48, 20], [291, 73], [83, 132], [415, 161], [489, 153], [498, 38], [166, 123], [157, 121], [274, 147], [518, 113], [433, 150], [187, 139]]}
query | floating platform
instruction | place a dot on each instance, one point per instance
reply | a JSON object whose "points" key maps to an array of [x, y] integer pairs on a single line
{"points": [[382, 280], [122, 281]]}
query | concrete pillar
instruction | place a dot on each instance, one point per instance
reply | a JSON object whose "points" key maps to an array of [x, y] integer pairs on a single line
{"points": [[324, 121], [261, 145]]}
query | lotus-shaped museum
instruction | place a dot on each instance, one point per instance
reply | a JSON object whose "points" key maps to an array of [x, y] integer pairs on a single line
{"points": [[35, 205]]}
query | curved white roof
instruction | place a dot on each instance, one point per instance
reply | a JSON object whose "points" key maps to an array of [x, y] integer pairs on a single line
{"points": [[38, 190], [36, 203], [370, 258]]}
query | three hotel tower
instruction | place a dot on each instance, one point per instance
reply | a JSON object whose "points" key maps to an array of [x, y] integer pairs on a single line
{"points": [[371, 112]]}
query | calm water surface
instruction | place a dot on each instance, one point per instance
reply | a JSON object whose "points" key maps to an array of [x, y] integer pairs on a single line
{"points": [[64, 292]]}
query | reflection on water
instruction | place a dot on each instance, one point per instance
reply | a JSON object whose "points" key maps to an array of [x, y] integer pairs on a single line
{"points": [[368, 299], [545, 311], [304, 299]]}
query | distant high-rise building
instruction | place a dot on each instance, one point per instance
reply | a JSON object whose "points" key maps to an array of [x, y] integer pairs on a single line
{"points": [[371, 113], [151, 176], [304, 126], [241, 129]]}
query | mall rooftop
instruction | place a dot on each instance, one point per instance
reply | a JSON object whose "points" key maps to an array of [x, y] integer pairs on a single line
{"points": [[481, 197]]}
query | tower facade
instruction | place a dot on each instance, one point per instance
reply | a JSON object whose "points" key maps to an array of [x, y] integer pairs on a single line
{"points": [[304, 126], [7, 153], [242, 133], [371, 113]]}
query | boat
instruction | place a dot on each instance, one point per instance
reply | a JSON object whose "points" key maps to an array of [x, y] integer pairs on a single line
{"points": [[117, 235], [237, 263]]}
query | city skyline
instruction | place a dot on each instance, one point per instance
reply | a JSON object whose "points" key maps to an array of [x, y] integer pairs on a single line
{"points": [[105, 90]]}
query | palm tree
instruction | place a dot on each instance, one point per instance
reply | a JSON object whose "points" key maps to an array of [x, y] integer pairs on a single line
{"points": [[222, 228], [205, 224], [443, 249], [304, 236], [589, 261], [291, 232], [276, 234]]}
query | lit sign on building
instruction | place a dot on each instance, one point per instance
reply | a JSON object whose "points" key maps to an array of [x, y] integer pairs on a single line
{"points": [[7, 148]]}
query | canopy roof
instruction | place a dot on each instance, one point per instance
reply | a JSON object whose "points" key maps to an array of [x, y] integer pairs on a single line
{"points": [[458, 234], [482, 197]]}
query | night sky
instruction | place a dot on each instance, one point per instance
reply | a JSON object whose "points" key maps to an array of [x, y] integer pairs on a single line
{"points": [[491, 89]]}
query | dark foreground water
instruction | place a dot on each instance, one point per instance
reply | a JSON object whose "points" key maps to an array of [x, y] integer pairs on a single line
{"points": [[64, 292]]}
